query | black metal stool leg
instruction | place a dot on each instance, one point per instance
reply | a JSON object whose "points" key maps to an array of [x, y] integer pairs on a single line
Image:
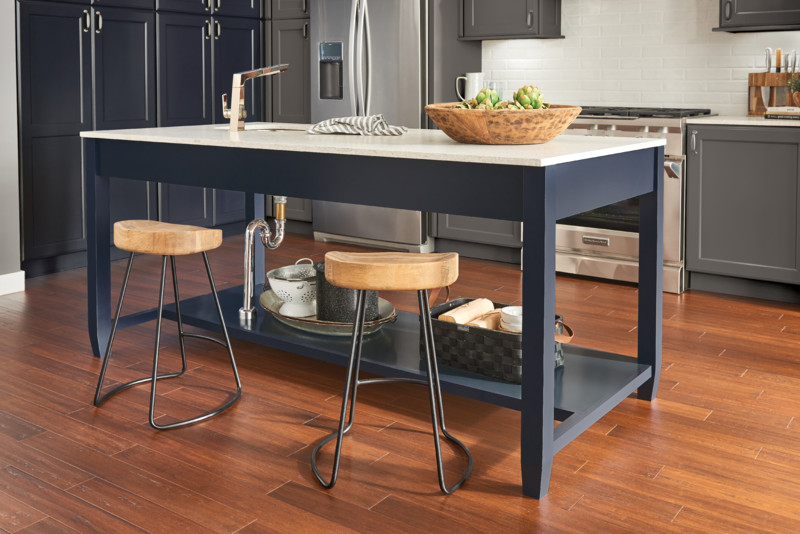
{"points": [[351, 382], [98, 399], [179, 320], [226, 344], [351, 387], [435, 393]]}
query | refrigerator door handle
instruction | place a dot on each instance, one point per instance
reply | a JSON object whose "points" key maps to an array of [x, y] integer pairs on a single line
{"points": [[367, 89], [351, 55], [360, 111]]}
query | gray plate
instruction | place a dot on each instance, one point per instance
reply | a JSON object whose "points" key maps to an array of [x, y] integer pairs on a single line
{"points": [[270, 302]]}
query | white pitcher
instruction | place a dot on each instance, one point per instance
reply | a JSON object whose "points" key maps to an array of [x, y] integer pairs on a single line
{"points": [[473, 82]]}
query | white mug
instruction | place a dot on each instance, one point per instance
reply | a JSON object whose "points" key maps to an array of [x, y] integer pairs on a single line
{"points": [[473, 82]]}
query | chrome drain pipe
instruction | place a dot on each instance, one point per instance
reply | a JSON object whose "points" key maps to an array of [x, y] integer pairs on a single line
{"points": [[271, 242]]}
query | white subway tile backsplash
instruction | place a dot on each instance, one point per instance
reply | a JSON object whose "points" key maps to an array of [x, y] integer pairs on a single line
{"points": [[638, 52]]}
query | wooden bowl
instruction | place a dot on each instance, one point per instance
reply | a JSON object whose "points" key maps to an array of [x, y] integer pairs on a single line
{"points": [[502, 126]]}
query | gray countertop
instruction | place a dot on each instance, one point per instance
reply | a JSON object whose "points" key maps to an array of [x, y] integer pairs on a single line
{"points": [[742, 120]]}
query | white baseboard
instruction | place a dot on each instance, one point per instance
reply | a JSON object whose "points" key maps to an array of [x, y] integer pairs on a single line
{"points": [[12, 282]]}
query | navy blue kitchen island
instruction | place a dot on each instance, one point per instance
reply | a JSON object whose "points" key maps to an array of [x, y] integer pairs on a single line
{"points": [[421, 170]]}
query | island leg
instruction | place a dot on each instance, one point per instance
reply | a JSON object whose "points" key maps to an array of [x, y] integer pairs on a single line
{"points": [[651, 272], [98, 253], [538, 298]]}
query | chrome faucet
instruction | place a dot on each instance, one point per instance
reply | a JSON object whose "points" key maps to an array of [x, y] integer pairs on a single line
{"points": [[237, 94]]}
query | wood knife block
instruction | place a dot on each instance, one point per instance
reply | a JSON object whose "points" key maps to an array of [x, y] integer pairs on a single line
{"points": [[774, 80]]}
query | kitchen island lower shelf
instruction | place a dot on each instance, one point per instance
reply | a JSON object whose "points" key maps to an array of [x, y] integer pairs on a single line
{"points": [[589, 385]]}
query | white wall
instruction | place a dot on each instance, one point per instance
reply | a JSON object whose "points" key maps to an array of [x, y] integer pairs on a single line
{"points": [[11, 277], [638, 52]]}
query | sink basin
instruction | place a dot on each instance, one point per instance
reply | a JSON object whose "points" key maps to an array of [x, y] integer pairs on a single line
{"points": [[267, 126]]}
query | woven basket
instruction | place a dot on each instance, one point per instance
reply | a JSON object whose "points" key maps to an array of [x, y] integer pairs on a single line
{"points": [[485, 351]]}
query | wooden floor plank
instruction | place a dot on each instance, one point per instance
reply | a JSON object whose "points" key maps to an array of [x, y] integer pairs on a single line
{"points": [[716, 452]]}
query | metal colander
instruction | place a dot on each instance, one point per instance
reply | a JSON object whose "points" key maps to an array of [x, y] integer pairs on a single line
{"points": [[294, 283]]}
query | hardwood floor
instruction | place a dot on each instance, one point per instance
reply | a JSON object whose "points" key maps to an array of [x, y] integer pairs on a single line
{"points": [[718, 451]]}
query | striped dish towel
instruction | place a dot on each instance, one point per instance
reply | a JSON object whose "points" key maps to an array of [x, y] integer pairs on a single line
{"points": [[370, 125]]}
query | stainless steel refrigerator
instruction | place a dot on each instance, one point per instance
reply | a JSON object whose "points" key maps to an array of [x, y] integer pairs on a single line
{"points": [[388, 57]]}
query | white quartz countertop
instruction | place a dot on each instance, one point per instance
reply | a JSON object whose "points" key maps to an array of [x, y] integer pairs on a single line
{"points": [[742, 120], [415, 144]]}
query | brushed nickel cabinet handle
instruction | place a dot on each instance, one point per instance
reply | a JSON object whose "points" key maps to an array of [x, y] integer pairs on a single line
{"points": [[219, 5], [87, 21], [219, 29], [208, 29], [305, 30], [207, 3], [99, 18], [305, 6], [529, 21]]}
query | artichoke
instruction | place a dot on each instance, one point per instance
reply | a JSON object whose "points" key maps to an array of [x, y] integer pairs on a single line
{"points": [[529, 97]]}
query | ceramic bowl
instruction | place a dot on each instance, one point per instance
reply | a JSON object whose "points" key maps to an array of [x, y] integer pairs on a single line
{"points": [[511, 318]]}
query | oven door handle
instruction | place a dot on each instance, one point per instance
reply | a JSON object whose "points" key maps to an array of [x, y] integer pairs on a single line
{"points": [[673, 168]]}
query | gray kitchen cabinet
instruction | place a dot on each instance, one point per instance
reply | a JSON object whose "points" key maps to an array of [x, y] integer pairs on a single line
{"points": [[743, 202], [758, 15], [289, 9], [510, 19], [291, 90], [478, 230], [57, 101], [234, 8]]}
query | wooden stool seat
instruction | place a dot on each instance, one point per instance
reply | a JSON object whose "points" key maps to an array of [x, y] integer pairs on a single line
{"points": [[391, 271], [164, 239]]}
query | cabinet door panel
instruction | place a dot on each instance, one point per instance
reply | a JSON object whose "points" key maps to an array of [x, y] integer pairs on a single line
{"points": [[184, 72], [183, 204], [236, 49], [200, 7], [55, 73], [229, 206], [55, 106], [52, 192], [759, 13], [289, 9], [125, 69], [479, 230], [742, 203], [238, 8], [497, 18], [138, 4], [291, 89]]}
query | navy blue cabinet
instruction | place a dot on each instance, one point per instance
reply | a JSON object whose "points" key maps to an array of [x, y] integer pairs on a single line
{"points": [[197, 59], [201, 7], [57, 102], [136, 4]]}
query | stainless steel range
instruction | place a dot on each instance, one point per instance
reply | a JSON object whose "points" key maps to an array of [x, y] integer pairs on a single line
{"points": [[604, 243]]}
